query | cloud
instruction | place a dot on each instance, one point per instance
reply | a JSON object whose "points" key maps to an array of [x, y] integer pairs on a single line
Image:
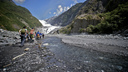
{"points": [[71, 5], [49, 12], [61, 9], [54, 13], [75, 1], [19, 1], [68, 8], [65, 8]]}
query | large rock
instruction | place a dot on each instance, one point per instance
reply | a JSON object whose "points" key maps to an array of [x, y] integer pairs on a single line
{"points": [[8, 37]]}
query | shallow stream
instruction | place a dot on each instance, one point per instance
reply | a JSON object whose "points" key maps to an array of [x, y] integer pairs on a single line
{"points": [[77, 59]]}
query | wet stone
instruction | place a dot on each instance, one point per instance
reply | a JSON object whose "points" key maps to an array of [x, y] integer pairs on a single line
{"points": [[119, 67], [101, 58], [4, 69]]}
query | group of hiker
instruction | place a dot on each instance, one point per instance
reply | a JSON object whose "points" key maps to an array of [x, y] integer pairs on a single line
{"points": [[30, 36]]}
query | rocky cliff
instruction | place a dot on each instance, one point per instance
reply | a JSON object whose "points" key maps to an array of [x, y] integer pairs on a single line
{"points": [[100, 16], [86, 16], [89, 6], [66, 17]]}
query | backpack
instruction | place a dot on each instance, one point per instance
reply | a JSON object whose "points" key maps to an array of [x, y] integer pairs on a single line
{"points": [[32, 31], [38, 35], [23, 31]]}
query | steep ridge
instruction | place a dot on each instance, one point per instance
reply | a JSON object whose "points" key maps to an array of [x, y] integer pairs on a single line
{"points": [[78, 9], [66, 17], [100, 16], [13, 17], [87, 15]]}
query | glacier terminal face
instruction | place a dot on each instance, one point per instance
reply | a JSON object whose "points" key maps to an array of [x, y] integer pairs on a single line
{"points": [[47, 28]]}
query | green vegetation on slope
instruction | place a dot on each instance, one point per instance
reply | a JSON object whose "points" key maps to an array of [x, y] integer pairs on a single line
{"points": [[113, 21], [92, 19], [113, 4], [67, 29], [13, 17]]}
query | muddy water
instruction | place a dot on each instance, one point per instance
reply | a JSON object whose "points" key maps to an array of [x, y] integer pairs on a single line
{"points": [[77, 59]]}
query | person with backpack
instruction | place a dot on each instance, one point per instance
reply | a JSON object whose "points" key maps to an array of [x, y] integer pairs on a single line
{"points": [[22, 33], [35, 35], [32, 34], [38, 35], [26, 35]]}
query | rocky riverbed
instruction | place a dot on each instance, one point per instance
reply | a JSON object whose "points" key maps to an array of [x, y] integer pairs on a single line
{"points": [[106, 43], [64, 53], [8, 37], [32, 57]]}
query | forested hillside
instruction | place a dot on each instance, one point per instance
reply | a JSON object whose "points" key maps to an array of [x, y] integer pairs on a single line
{"points": [[13, 17]]}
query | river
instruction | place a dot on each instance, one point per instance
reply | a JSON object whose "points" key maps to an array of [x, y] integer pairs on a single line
{"points": [[67, 53], [56, 56], [78, 59]]}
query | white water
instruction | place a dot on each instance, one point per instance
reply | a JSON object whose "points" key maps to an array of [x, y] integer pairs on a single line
{"points": [[44, 23], [47, 28]]}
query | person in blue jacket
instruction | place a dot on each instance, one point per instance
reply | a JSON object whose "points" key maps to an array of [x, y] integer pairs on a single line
{"points": [[38, 35]]}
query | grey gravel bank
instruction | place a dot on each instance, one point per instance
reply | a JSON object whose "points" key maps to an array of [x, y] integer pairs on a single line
{"points": [[116, 44], [9, 38], [43, 60], [32, 57]]}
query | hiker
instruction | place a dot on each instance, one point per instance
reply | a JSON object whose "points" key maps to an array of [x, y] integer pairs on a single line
{"points": [[32, 34], [26, 35], [22, 33], [57, 31], [43, 35], [35, 35], [38, 35]]}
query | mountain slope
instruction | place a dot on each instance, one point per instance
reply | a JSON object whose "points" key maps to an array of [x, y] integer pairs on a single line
{"points": [[100, 16], [13, 17], [65, 18]]}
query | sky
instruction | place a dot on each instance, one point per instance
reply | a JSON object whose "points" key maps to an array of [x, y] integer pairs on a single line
{"points": [[44, 9]]}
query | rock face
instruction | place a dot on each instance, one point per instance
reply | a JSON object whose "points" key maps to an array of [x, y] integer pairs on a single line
{"points": [[8, 37], [84, 21], [87, 15], [65, 18], [92, 7], [80, 16], [89, 6], [93, 13]]}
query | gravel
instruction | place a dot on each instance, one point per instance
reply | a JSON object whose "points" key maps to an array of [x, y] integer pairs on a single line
{"points": [[106, 43], [42, 59]]}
